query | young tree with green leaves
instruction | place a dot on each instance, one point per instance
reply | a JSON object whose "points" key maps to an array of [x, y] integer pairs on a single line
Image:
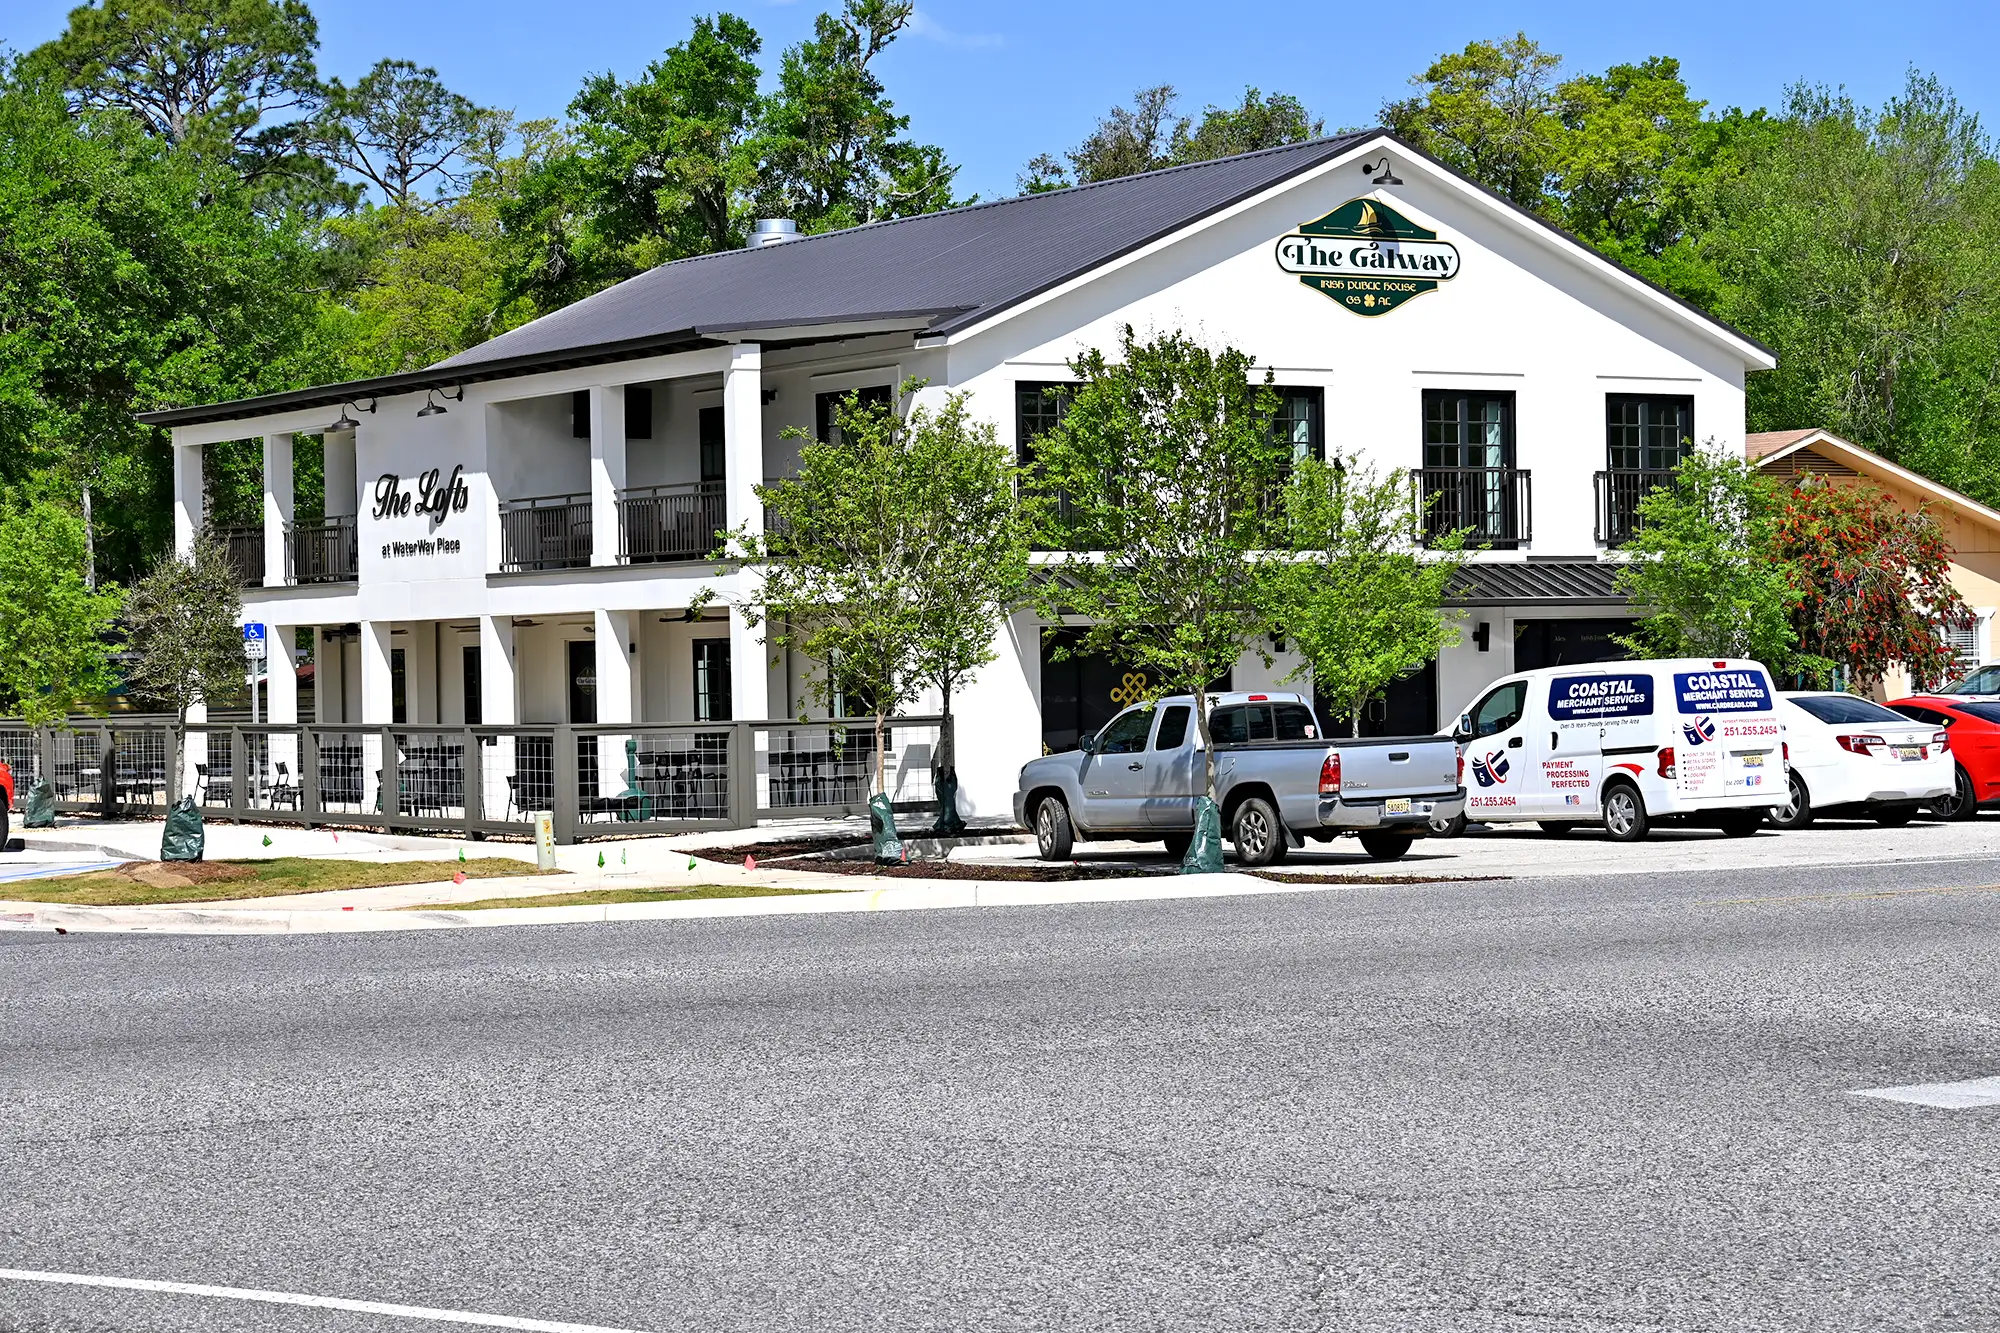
{"points": [[1151, 134], [183, 622], [56, 632], [1354, 590], [1157, 484], [1703, 563]]}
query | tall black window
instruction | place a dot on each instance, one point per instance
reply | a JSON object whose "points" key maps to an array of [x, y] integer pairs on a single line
{"points": [[828, 406], [399, 688], [1299, 423], [1646, 432], [1038, 409], [474, 708], [1468, 429], [709, 428], [638, 411], [579, 414], [711, 680]]}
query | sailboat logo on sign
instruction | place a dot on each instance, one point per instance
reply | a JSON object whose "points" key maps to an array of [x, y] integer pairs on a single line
{"points": [[1368, 257]]}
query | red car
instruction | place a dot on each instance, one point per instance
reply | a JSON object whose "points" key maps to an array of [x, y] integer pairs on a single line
{"points": [[6, 801], [1973, 726]]}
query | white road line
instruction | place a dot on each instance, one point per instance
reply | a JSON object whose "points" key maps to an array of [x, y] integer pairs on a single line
{"points": [[318, 1302], [1959, 1096]]}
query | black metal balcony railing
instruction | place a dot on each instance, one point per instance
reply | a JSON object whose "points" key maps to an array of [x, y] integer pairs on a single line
{"points": [[660, 523], [545, 532], [322, 552], [1493, 506], [244, 549], [1619, 492]]}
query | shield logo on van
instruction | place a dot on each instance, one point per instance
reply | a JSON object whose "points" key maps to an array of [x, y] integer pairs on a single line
{"points": [[1490, 770], [1700, 730]]}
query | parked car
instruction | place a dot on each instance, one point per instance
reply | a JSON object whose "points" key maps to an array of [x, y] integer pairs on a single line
{"points": [[1626, 744], [1279, 780], [1849, 755], [1982, 682], [1972, 728]]}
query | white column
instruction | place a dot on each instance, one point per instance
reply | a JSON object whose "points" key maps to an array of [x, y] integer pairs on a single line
{"points": [[343, 492], [283, 668], [607, 473], [743, 439], [497, 707], [378, 704], [187, 495], [617, 693], [277, 507]]}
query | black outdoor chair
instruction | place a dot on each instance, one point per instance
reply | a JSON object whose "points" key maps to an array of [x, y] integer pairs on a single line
{"points": [[284, 791]]}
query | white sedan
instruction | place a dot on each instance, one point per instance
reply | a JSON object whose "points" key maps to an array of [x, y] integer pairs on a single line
{"points": [[1857, 757]]}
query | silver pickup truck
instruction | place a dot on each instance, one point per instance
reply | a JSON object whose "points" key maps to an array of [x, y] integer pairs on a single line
{"points": [[1279, 780]]}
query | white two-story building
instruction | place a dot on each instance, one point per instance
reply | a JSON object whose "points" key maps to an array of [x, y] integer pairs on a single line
{"points": [[515, 535]]}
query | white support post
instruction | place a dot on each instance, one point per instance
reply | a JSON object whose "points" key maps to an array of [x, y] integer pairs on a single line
{"points": [[743, 438], [497, 707], [617, 693], [607, 470], [378, 706], [188, 491], [282, 671], [277, 509]]}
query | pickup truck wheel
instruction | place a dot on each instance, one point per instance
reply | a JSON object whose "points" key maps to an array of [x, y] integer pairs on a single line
{"points": [[1624, 813], [1448, 828], [1556, 828], [1386, 846], [1259, 837], [1178, 843], [1053, 835]]}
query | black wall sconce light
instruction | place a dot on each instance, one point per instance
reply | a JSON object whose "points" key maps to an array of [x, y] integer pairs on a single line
{"points": [[1388, 176], [1482, 637], [347, 422], [433, 408]]}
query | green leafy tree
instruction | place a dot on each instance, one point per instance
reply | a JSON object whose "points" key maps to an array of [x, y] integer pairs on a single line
{"points": [[1158, 483], [183, 622], [400, 130], [831, 148], [1260, 122], [1873, 581], [853, 570], [1489, 111], [1702, 565], [976, 554], [55, 630], [1151, 134], [1363, 602]]}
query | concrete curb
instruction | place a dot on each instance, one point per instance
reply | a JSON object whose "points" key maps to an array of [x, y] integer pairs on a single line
{"points": [[250, 921]]}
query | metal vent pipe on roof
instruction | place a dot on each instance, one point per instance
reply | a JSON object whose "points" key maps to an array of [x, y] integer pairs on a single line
{"points": [[771, 231]]}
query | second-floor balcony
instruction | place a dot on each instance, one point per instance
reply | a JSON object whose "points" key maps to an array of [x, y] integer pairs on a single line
{"points": [[1619, 491], [321, 552], [243, 547], [1492, 506], [545, 532], [657, 524]]}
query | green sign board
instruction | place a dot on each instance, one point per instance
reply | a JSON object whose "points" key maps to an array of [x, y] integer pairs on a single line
{"points": [[1368, 257]]}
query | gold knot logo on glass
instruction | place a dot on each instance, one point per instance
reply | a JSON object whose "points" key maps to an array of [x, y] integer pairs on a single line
{"points": [[1368, 257], [1132, 690]]}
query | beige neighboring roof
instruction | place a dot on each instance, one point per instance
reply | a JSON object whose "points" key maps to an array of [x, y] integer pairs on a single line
{"points": [[1768, 447]]}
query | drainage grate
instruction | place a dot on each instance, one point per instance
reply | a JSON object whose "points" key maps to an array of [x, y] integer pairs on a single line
{"points": [[1958, 1096]]}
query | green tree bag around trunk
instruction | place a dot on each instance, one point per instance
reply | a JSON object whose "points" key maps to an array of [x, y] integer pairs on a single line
{"points": [[950, 823], [882, 822], [184, 839], [1204, 854], [38, 807]]}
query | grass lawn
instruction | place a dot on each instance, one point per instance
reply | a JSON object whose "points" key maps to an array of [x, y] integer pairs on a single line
{"points": [[142, 883], [595, 897]]}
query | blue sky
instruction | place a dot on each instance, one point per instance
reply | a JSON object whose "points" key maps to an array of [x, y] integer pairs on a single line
{"points": [[996, 81]]}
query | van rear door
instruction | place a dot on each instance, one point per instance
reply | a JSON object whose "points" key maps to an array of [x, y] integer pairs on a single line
{"points": [[1730, 740]]}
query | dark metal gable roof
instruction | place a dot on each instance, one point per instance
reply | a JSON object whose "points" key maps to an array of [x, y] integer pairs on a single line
{"points": [[972, 261]]}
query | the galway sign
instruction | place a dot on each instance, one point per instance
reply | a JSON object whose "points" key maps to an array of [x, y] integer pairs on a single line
{"points": [[1368, 257]]}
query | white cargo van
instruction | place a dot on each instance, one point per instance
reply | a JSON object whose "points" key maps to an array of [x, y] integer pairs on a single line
{"points": [[1625, 744]]}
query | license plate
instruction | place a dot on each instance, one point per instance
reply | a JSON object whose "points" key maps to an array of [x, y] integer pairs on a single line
{"points": [[1909, 751], [1399, 806], [1753, 761]]}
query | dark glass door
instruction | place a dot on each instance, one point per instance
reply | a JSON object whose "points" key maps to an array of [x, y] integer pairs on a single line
{"points": [[582, 681]]}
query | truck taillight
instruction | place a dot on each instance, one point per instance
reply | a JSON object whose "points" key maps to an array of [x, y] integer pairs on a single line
{"points": [[1461, 765], [1329, 774], [1666, 761], [1866, 745], [1786, 746]]}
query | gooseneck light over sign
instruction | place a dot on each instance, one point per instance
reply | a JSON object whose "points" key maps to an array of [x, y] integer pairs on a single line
{"points": [[1368, 257]]}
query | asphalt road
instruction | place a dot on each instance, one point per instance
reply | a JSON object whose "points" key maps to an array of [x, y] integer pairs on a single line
{"points": [[1565, 1105]]}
